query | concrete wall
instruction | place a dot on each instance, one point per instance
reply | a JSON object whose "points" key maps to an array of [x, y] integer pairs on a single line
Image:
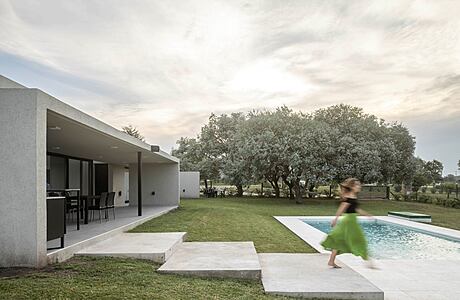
{"points": [[117, 183], [190, 184], [163, 179], [8, 83], [22, 179]]}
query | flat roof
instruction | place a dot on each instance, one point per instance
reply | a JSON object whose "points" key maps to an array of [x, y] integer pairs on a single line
{"points": [[74, 133]]}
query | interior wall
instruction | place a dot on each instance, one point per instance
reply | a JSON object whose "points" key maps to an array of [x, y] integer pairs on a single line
{"points": [[117, 183], [162, 179], [74, 174], [57, 169]]}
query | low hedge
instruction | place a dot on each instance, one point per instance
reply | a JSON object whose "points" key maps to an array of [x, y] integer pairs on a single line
{"points": [[413, 197]]}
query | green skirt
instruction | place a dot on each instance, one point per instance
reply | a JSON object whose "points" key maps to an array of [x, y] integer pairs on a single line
{"points": [[347, 237]]}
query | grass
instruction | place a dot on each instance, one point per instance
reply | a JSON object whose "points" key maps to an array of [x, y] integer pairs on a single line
{"points": [[116, 278], [229, 219], [251, 219]]}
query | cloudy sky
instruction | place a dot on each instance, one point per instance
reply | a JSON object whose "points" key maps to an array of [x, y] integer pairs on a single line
{"points": [[164, 66]]}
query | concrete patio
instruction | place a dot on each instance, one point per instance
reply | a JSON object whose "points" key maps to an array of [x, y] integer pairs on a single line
{"points": [[308, 276], [215, 259], [95, 231], [412, 279], [157, 247]]}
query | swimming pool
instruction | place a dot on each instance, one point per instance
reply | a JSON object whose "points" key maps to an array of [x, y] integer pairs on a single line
{"points": [[392, 241]]}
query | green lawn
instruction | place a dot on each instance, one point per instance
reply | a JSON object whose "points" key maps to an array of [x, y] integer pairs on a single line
{"points": [[115, 278], [229, 219], [251, 219]]}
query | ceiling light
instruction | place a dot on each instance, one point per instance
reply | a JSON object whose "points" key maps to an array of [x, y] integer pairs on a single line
{"points": [[54, 128], [114, 147], [56, 148]]}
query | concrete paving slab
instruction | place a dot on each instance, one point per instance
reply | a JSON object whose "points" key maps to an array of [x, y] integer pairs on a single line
{"points": [[153, 246], [308, 276], [415, 279], [215, 259]]}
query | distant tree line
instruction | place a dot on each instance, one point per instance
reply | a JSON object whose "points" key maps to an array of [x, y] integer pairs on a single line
{"points": [[300, 150]]}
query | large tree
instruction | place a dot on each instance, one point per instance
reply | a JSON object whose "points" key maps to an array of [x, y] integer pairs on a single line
{"points": [[434, 169], [259, 144], [301, 150], [367, 147], [219, 147]]}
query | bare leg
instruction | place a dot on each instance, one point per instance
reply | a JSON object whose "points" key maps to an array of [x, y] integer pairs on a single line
{"points": [[332, 260]]}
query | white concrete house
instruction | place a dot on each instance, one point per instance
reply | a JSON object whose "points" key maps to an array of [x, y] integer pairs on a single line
{"points": [[189, 184], [47, 144]]}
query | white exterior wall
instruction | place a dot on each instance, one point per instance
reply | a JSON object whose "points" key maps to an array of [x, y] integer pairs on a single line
{"points": [[117, 183], [163, 179], [190, 184], [23, 135], [22, 179]]}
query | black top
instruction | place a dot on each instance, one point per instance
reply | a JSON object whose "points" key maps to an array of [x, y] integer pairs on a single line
{"points": [[353, 205]]}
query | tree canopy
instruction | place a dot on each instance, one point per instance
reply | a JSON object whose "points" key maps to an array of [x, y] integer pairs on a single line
{"points": [[133, 131], [301, 150]]}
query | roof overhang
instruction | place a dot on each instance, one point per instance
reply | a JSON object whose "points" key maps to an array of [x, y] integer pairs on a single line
{"points": [[73, 133]]}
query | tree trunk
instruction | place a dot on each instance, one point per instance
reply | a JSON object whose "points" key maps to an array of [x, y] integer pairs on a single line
{"points": [[291, 192], [239, 188], [205, 184], [290, 186], [275, 186], [298, 192], [310, 189]]}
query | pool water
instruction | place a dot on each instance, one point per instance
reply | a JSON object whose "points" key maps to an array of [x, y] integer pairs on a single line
{"points": [[388, 241]]}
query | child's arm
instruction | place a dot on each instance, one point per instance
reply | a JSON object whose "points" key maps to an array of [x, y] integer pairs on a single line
{"points": [[343, 206]]}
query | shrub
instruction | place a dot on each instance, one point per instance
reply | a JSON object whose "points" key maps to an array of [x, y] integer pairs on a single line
{"points": [[397, 196], [423, 189], [450, 202], [433, 190], [456, 203], [423, 198], [397, 188], [441, 201]]}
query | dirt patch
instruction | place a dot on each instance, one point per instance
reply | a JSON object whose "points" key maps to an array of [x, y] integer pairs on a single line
{"points": [[16, 272]]}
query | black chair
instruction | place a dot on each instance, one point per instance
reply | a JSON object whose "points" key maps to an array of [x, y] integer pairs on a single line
{"points": [[99, 204], [71, 204], [110, 204]]}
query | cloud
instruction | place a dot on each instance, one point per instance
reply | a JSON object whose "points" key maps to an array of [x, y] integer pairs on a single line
{"points": [[163, 66]]}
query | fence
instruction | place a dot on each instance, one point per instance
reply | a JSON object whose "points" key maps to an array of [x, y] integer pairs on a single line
{"points": [[374, 192]]}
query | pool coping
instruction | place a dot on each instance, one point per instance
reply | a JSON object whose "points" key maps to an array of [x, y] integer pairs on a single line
{"points": [[314, 237]]}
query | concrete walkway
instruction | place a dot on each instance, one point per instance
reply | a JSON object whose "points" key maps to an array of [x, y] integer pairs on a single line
{"points": [[412, 279], [215, 259], [153, 246], [308, 276], [95, 231]]}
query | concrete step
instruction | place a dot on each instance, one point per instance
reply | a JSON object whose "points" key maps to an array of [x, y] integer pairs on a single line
{"points": [[308, 276], [157, 247], [215, 259]]}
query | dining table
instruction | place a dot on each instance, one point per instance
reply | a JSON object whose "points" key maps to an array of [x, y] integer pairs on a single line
{"points": [[87, 200]]}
